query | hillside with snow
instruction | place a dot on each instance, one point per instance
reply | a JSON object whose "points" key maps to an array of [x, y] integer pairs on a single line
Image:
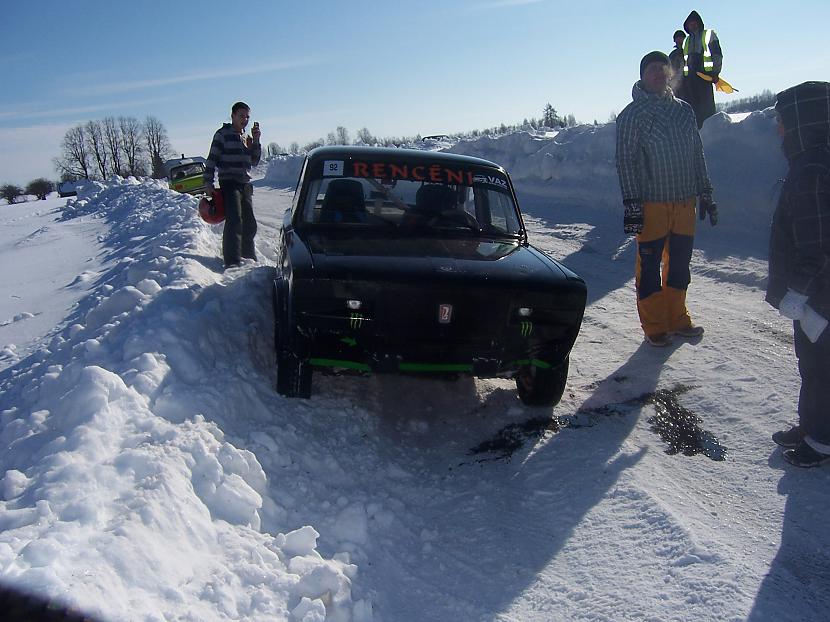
{"points": [[151, 472]]}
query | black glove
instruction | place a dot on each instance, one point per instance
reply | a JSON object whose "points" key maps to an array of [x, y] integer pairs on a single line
{"points": [[633, 217], [706, 205]]}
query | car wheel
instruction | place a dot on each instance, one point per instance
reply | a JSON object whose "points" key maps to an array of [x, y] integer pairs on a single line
{"points": [[542, 387], [293, 374]]}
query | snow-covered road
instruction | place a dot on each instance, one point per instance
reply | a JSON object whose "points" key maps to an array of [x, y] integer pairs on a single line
{"points": [[596, 521]]}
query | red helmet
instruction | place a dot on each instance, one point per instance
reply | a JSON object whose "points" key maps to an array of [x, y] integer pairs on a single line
{"points": [[212, 210]]}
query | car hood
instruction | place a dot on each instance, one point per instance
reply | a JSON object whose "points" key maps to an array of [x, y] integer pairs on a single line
{"points": [[496, 263]]}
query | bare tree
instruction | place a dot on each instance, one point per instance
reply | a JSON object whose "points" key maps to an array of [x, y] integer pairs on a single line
{"points": [[158, 145], [294, 148], [11, 193], [342, 135], [130, 130], [40, 187], [364, 137], [74, 159], [96, 146], [272, 149], [112, 136], [314, 144]]}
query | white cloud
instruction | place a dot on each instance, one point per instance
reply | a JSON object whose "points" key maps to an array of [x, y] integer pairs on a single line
{"points": [[24, 111], [137, 85]]}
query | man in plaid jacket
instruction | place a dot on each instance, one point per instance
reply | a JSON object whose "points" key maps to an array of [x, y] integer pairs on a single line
{"points": [[799, 263], [662, 173]]}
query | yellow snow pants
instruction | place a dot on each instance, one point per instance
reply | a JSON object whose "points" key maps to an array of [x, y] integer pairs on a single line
{"points": [[667, 238]]}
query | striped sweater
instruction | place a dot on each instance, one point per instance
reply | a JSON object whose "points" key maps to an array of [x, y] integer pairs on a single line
{"points": [[229, 154], [659, 151]]}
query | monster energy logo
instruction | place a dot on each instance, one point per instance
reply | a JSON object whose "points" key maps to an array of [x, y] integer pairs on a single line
{"points": [[355, 320], [527, 328]]}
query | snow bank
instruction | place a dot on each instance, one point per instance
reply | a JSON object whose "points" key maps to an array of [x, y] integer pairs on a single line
{"points": [[283, 171], [576, 167], [119, 489]]}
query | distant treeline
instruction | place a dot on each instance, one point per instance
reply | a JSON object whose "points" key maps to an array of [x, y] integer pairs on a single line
{"points": [[550, 120], [749, 104]]}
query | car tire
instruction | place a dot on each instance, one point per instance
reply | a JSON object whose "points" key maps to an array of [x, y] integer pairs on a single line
{"points": [[542, 387], [293, 374]]}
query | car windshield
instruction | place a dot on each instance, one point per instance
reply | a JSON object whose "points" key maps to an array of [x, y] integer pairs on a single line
{"points": [[410, 198], [188, 170]]}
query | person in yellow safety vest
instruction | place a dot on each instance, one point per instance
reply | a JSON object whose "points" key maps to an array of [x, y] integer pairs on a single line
{"points": [[702, 52]]}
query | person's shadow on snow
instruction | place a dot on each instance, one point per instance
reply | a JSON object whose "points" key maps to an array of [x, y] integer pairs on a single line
{"points": [[797, 585], [534, 501]]}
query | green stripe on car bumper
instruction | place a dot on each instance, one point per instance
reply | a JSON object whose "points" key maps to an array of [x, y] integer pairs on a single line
{"points": [[420, 367], [339, 363]]}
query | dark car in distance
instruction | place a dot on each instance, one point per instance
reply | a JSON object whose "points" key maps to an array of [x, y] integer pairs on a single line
{"points": [[417, 262]]}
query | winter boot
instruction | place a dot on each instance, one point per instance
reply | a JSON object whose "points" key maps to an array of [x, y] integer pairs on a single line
{"points": [[805, 456], [789, 438], [689, 332], [659, 340]]}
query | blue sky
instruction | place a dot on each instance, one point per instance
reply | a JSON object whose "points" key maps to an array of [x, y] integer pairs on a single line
{"points": [[396, 68]]}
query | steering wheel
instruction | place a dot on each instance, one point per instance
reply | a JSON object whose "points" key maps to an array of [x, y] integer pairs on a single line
{"points": [[456, 216]]}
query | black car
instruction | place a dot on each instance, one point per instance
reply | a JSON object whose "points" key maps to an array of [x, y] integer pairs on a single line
{"points": [[406, 261]]}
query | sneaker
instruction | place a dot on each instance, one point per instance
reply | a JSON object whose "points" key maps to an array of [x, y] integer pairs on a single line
{"points": [[805, 456], [228, 266], [690, 331], [789, 438], [659, 340]]}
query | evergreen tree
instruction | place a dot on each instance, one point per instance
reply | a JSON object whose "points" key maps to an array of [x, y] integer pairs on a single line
{"points": [[550, 118]]}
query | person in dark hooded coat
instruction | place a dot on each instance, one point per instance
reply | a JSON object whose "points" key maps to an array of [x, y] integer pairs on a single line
{"points": [[676, 63], [799, 263], [702, 53]]}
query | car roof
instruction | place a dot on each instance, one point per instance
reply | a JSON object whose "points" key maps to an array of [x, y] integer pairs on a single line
{"points": [[392, 154]]}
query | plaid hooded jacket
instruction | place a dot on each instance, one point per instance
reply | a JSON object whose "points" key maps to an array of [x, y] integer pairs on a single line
{"points": [[799, 256], [659, 151]]}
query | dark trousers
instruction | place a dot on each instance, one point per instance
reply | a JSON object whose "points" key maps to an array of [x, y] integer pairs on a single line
{"points": [[700, 94], [814, 399], [240, 224]]}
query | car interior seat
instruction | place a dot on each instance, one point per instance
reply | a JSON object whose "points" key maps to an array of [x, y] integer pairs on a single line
{"points": [[343, 202], [434, 198]]}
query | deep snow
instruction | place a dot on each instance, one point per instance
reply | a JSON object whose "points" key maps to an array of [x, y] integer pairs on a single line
{"points": [[150, 471]]}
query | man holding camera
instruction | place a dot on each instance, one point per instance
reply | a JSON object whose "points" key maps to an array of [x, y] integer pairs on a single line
{"points": [[234, 154], [662, 173]]}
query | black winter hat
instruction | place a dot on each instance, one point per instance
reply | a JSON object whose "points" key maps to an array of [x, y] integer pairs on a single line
{"points": [[678, 33], [653, 57]]}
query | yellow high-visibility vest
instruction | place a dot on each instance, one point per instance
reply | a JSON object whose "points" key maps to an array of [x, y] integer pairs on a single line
{"points": [[708, 61]]}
